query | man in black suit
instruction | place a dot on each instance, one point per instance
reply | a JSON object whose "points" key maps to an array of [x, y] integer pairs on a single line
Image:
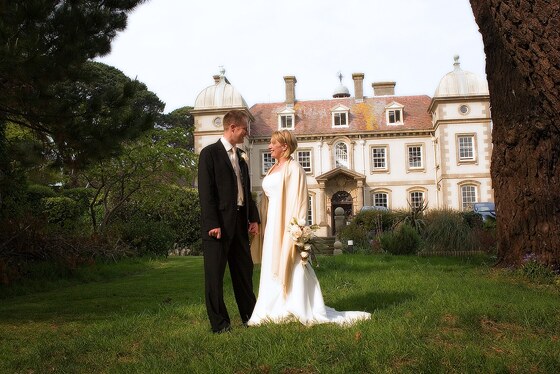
{"points": [[229, 214]]}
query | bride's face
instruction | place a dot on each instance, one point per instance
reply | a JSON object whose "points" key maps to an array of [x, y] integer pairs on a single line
{"points": [[276, 149]]}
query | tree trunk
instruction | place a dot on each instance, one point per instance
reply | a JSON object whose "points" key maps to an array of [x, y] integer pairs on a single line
{"points": [[522, 45]]}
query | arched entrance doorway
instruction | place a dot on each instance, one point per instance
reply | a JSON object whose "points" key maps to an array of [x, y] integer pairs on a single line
{"points": [[344, 200]]}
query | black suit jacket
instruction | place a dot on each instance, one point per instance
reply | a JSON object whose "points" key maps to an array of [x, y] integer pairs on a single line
{"points": [[217, 189]]}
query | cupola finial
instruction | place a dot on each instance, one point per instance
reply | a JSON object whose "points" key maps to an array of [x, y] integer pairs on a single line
{"points": [[456, 64]]}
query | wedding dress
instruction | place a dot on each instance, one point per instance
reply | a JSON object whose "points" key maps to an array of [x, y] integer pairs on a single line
{"points": [[304, 300]]}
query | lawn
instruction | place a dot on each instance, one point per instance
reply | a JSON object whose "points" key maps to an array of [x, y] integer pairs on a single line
{"points": [[431, 315]]}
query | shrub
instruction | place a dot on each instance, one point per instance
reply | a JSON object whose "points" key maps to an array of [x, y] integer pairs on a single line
{"points": [[82, 196], [177, 207], [376, 221], [60, 210], [13, 187], [37, 192], [472, 219], [358, 234], [447, 231], [403, 240], [147, 237], [413, 216]]}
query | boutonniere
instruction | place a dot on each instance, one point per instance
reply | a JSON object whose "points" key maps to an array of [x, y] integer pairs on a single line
{"points": [[244, 156]]}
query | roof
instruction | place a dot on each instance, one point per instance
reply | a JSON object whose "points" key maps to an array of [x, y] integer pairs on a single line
{"points": [[220, 95], [314, 117], [460, 82]]}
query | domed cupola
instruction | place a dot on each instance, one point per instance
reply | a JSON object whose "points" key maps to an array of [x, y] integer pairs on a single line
{"points": [[341, 90], [220, 95], [461, 83]]}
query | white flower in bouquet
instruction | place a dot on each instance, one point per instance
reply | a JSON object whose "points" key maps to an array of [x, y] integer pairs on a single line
{"points": [[295, 232], [302, 236], [245, 157]]}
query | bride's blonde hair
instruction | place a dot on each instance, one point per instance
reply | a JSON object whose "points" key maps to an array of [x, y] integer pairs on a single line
{"points": [[287, 138]]}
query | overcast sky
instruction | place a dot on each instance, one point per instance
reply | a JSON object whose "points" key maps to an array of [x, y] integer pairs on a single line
{"points": [[176, 46]]}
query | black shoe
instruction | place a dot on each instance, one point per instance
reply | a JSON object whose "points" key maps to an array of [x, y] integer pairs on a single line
{"points": [[224, 330]]}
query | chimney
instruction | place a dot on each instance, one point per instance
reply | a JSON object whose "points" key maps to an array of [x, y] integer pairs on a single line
{"points": [[290, 90], [358, 86], [384, 88]]}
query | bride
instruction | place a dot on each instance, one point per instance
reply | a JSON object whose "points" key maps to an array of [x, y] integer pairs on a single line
{"points": [[289, 289]]}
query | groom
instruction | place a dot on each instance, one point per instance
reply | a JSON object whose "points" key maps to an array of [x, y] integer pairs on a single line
{"points": [[229, 214]]}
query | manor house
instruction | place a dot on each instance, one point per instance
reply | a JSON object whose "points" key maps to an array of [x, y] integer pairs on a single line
{"points": [[370, 150]]}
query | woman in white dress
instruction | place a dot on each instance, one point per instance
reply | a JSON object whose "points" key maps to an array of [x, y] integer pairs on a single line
{"points": [[288, 288]]}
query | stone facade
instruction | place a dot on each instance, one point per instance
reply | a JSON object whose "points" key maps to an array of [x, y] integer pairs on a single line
{"points": [[383, 150]]}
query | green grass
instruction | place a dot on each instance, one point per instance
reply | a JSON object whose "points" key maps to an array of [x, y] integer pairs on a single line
{"points": [[431, 315]]}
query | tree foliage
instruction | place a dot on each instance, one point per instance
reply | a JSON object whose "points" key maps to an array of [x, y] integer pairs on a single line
{"points": [[145, 163]]}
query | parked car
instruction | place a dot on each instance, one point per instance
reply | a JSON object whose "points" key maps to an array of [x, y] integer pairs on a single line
{"points": [[369, 207], [485, 210]]}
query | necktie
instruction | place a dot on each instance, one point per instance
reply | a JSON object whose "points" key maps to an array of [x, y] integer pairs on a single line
{"points": [[235, 164]]}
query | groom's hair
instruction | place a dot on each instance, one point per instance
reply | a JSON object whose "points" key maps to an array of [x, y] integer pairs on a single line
{"points": [[235, 116]]}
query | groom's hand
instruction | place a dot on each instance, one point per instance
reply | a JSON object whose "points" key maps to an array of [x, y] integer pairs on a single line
{"points": [[215, 233]]}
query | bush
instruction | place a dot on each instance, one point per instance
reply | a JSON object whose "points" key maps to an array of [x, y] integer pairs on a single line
{"points": [[447, 230], [472, 219], [82, 196], [147, 238], [376, 221], [37, 192], [62, 211], [176, 207], [404, 240], [358, 234], [13, 187]]}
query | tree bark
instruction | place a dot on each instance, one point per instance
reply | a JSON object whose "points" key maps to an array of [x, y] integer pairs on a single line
{"points": [[522, 46]]}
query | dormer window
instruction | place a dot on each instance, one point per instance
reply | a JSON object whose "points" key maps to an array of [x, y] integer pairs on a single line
{"points": [[394, 114], [340, 116], [286, 119]]}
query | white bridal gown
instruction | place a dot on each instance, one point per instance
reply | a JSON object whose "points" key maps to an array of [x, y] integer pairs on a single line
{"points": [[304, 302]]}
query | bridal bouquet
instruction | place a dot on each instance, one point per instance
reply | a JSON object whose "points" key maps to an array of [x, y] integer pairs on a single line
{"points": [[303, 235]]}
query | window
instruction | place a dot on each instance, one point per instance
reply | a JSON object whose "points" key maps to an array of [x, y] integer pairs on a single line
{"points": [[415, 156], [267, 162], [394, 114], [340, 119], [381, 199], [464, 109], [416, 199], [309, 210], [340, 116], [286, 122], [341, 155], [286, 119], [304, 158], [466, 147], [379, 158], [468, 197]]}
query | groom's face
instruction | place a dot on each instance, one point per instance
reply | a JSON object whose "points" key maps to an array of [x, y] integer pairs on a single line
{"points": [[239, 131]]}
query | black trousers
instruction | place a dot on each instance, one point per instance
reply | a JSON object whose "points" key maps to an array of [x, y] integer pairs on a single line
{"points": [[235, 252]]}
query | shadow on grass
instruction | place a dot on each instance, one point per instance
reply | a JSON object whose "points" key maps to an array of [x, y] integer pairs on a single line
{"points": [[372, 301]]}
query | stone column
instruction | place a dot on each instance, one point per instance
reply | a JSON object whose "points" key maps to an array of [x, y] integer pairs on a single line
{"points": [[360, 196], [321, 212]]}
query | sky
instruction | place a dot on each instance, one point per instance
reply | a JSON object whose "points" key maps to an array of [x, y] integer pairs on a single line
{"points": [[176, 46]]}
